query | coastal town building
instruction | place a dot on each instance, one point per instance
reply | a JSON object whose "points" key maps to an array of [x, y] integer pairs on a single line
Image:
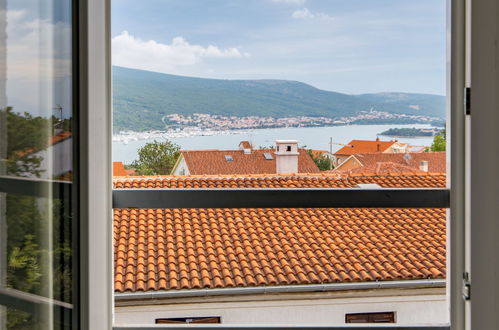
{"points": [[55, 159], [299, 266], [376, 162], [120, 170], [285, 158], [368, 146]]}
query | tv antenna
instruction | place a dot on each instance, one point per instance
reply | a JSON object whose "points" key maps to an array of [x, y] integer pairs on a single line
{"points": [[59, 108]]}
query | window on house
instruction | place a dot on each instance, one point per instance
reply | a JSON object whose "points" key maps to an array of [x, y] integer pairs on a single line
{"points": [[384, 317], [189, 320]]}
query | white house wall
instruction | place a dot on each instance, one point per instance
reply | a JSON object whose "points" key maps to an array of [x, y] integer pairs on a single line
{"points": [[182, 168], [409, 310], [56, 159]]}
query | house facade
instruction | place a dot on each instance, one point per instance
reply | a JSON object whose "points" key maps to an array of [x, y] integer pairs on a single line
{"points": [[367, 147]]}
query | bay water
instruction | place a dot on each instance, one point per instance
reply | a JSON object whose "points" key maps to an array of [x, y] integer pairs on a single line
{"points": [[308, 137]]}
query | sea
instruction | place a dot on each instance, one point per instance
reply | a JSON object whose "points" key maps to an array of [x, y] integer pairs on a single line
{"points": [[308, 137]]}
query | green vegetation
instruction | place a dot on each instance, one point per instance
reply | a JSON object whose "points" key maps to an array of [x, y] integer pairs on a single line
{"points": [[36, 262], [439, 142], [323, 163], [156, 158], [141, 99], [406, 132]]}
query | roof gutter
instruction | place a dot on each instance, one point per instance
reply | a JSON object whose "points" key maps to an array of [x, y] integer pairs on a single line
{"points": [[406, 284]]}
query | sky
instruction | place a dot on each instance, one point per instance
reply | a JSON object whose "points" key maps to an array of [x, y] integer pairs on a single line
{"points": [[354, 46], [39, 56]]}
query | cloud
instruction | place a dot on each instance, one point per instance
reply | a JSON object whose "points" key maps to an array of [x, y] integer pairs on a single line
{"points": [[37, 48], [307, 14], [129, 51], [302, 14], [293, 2]]}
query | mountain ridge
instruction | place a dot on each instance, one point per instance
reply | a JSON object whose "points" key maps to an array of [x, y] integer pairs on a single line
{"points": [[142, 98]]}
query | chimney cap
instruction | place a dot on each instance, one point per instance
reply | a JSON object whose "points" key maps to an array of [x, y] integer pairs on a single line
{"points": [[287, 141]]}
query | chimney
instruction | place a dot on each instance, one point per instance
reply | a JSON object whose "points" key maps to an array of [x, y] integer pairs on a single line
{"points": [[377, 147], [286, 156], [423, 165], [245, 146]]}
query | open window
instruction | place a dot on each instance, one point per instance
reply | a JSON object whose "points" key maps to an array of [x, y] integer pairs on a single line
{"points": [[248, 220], [85, 196]]}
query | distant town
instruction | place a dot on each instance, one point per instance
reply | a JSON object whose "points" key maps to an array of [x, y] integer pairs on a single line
{"points": [[219, 122], [202, 124]]}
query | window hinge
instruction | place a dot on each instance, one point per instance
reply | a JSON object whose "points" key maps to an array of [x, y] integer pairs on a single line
{"points": [[466, 286], [467, 101]]}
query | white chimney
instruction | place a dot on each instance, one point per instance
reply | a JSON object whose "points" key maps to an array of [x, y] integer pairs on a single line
{"points": [[286, 156], [423, 165], [245, 146]]}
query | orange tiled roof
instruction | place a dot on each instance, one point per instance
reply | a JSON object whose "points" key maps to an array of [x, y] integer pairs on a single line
{"points": [[436, 160], [364, 146], [129, 172], [119, 169], [51, 141], [171, 249], [214, 162], [245, 145], [59, 137], [312, 180]]}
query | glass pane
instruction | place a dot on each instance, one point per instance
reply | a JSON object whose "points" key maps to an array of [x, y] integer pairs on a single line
{"points": [[280, 94], [350, 87], [36, 163]]}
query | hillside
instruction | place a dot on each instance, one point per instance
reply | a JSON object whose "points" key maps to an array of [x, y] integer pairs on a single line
{"points": [[142, 98]]}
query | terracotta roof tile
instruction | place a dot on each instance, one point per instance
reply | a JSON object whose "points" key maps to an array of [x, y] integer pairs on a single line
{"points": [[310, 180], [119, 169], [364, 146], [370, 162], [171, 249], [214, 162]]}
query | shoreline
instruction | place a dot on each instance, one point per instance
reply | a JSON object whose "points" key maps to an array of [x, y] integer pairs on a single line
{"points": [[127, 136]]}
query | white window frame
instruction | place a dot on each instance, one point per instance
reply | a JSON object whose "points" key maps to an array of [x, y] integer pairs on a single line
{"points": [[474, 192]]}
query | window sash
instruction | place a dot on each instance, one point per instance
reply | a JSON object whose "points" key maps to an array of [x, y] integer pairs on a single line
{"points": [[281, 198]]}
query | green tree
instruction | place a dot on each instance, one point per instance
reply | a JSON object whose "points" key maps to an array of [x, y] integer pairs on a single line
{"points": [[26, 134], [34, 262], [323, 163], [439, 142], [156, 158]]}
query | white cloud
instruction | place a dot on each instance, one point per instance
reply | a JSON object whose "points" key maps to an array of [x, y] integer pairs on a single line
{"points": [[129, 51], [37, 48], [307, 14], [294, 2], [302, 14]]}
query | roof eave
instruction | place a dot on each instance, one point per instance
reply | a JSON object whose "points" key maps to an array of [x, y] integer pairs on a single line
{"points": [[170, 294]]}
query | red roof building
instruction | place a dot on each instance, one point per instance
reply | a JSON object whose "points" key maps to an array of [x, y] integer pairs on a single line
{"points": [[368, 147], [382, 163], [245, 160]]}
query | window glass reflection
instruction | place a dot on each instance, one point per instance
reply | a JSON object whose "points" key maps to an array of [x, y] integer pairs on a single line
{"points": [[36, 130]]}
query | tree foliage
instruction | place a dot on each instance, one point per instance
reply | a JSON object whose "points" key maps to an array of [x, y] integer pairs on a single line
{"points": [[26, 134], [36, 262], [156, 158], [323, 162], [439, 142]]}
